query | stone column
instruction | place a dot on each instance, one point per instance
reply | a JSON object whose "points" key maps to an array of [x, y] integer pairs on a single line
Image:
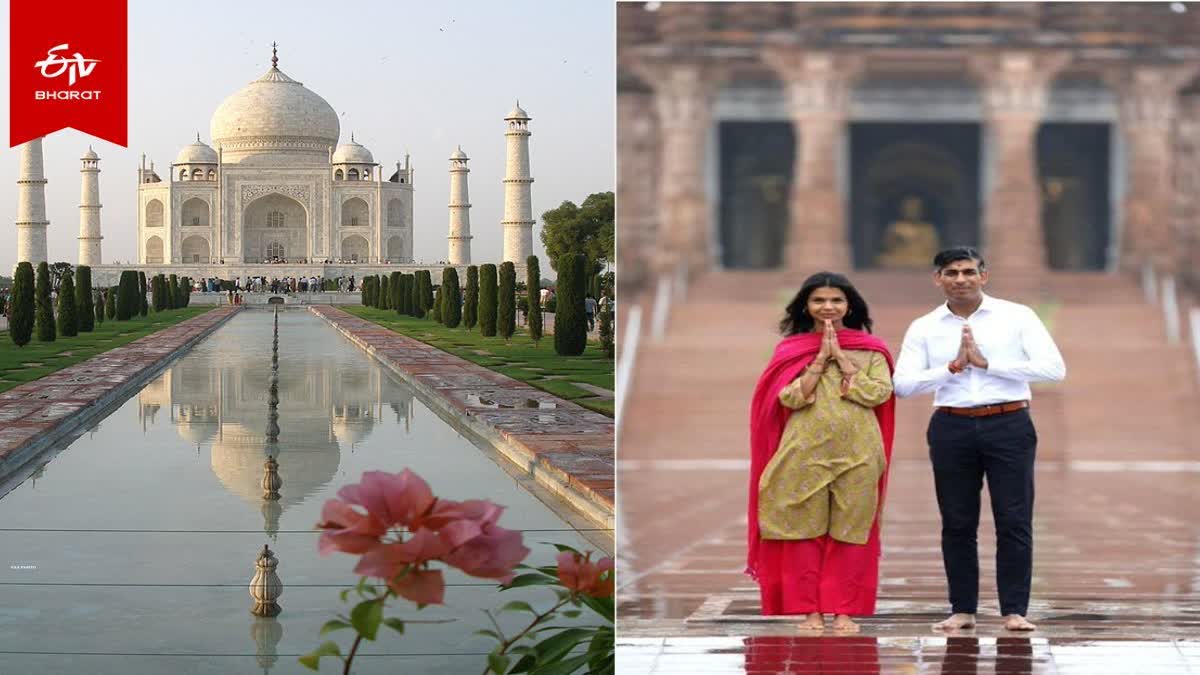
{"points": [[31, 205], [1015, 87], [89, 210], [817, 85], [683, 100], [1149, 106], [460, 210], [637, 182], [518, 210]]}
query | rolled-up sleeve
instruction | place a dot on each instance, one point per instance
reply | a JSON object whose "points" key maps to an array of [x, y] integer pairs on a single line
{"points": [[1042, 363], [914, 374]]}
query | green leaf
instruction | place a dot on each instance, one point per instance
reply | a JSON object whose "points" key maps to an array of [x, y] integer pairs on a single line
{"points": [[395, 624], [333, 625], [519, 606], [555, 646], [563, 667], [563, 548], [490, 633], [531, 580], [527, 661], [602, 606], [366, 617], [498, 663], [328, 648], [345, 593], [571, 613]]}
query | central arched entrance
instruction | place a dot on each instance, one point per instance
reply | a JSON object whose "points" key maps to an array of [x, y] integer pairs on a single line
{"points": [[914, 190], [274, 226]]}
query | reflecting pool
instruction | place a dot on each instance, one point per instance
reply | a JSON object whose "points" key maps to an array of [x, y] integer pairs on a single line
{"points": [[130, 549]]}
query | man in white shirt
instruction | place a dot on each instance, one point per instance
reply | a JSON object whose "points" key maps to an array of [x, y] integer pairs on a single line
{"points": [[978, 355]]}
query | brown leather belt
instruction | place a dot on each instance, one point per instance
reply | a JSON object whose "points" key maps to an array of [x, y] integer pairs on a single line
{"points": [[986, 410]]}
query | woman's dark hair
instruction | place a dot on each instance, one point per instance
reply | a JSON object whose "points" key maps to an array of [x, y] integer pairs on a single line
{"points": [[798, 320]]}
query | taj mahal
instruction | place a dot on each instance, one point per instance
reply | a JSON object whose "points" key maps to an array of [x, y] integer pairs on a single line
{"points": [[275, 187]]}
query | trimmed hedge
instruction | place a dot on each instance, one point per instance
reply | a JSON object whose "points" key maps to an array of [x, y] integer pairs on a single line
{"points": [[471, 298], [172, 292], [395, 287], [127, 300], [436, 311], [451, 298], [83, 299], [68, 315], [98, 301], [487, 300], [20, 320], [414, 294], [110, 303], [43, 311], [158, 299], [570, 319], [385, 293], [506, 303], [144, 307], [533, 289]]}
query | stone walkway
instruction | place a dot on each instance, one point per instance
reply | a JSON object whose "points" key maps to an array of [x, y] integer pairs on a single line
{"points": [[38, 413], [565, 447]]}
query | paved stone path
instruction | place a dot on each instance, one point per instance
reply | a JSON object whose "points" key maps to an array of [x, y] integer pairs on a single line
{"points": [[564, 446], [1116, 569], [38, 413]]}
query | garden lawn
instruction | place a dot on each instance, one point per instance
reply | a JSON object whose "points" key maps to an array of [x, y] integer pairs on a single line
{"points": [[19, 365], [536, 366]]}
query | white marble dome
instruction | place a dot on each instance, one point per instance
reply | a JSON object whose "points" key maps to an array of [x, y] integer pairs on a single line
{"points": [[275, 113], [459, 154], [517, 113], [352, 153], [196, 153]]}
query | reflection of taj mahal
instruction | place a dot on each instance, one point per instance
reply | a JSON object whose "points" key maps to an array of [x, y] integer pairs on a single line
{"points": [[277, 189]]}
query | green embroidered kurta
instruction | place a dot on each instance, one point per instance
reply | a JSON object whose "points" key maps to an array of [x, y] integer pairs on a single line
{"points": [[824, 478]]}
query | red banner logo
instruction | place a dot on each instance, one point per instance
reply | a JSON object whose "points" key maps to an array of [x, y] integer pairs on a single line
{"points": [[69, 69]]}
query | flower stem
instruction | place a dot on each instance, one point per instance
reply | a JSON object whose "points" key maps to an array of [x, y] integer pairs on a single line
{"points": [[350, 656], [536, 620]]}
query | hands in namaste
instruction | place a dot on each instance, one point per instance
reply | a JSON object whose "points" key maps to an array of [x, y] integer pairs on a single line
{"points": [[968, 353], [832, 349]]}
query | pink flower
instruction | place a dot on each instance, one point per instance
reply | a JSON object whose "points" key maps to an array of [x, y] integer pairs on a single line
{"points": [[447, 510], [582, 575], [424, 586], [388, 560], [491, 555], [347, 530], [395, 499]]}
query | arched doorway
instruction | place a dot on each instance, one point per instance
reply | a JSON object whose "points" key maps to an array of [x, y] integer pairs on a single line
{"points": [[1073, 166], [277, 222], [355, 213], [154, 251], [194, 249], [914, 190], [756, 177], [395, 249], [195, 212], [356, 248]]}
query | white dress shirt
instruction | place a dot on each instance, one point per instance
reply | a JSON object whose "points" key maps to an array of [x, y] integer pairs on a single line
{"points": [[1018, 349]]}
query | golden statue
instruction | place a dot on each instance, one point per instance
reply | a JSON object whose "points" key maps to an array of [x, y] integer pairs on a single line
{"points": [[910, 241]]}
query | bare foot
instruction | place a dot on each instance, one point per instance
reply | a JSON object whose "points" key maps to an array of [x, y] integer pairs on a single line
{"points": [[955, 622], [843, 624], [814, 622], [1017, 622]]}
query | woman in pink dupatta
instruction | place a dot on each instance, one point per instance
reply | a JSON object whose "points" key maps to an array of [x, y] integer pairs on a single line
{"points": [[821, 428]]}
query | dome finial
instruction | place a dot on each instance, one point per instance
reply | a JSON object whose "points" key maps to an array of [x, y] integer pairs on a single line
{"points": [[351, 136], [197, 136], [274, 56]]}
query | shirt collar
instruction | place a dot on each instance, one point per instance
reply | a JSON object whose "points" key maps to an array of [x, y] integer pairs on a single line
{"points": [[987, 305]]}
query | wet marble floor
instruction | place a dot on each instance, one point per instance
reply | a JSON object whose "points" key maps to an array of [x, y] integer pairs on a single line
{"points": [[1116, 579]]}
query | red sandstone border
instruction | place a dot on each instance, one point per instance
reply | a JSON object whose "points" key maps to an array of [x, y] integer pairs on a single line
{"points": [[38, 414], [568, 449]]}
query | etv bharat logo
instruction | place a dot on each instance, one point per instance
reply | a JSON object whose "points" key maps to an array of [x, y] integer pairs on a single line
{"points": [[75, 69]]}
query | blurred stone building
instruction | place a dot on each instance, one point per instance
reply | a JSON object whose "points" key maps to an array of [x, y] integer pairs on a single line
{"points": [[1056, 136]]}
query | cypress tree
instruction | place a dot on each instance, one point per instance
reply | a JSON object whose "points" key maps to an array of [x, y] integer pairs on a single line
{"points": [[83, 299], [43, 311], [187, 291], [487, 300], [98, 301], [385, 292], [394, 291], [172, 292], [426, 292], [68, 316], [364, 293], [451, 298], [471, 298], [506, 303], [436, 310], [533, 287], [144, 307], [414, 300], [406, 284], [157, 302], [606, 318], [110, 303], [570, 320], [20, 321], [127, 301]]}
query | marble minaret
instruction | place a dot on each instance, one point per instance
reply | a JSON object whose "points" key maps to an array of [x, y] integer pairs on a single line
{"points": [[31, 205], [460, 210], [518, 210], [89, 210]]}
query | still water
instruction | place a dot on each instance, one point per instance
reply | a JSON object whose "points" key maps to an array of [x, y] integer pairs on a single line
{"points": [[130, 550]]}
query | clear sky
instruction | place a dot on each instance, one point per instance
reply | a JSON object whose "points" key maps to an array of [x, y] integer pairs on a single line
{"points": [[420, 77]]}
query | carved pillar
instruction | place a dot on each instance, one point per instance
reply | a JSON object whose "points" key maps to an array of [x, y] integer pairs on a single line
{"points": [[637, 181], [817, 86], [1149, 105], [1015, 90], [683, 100]]}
